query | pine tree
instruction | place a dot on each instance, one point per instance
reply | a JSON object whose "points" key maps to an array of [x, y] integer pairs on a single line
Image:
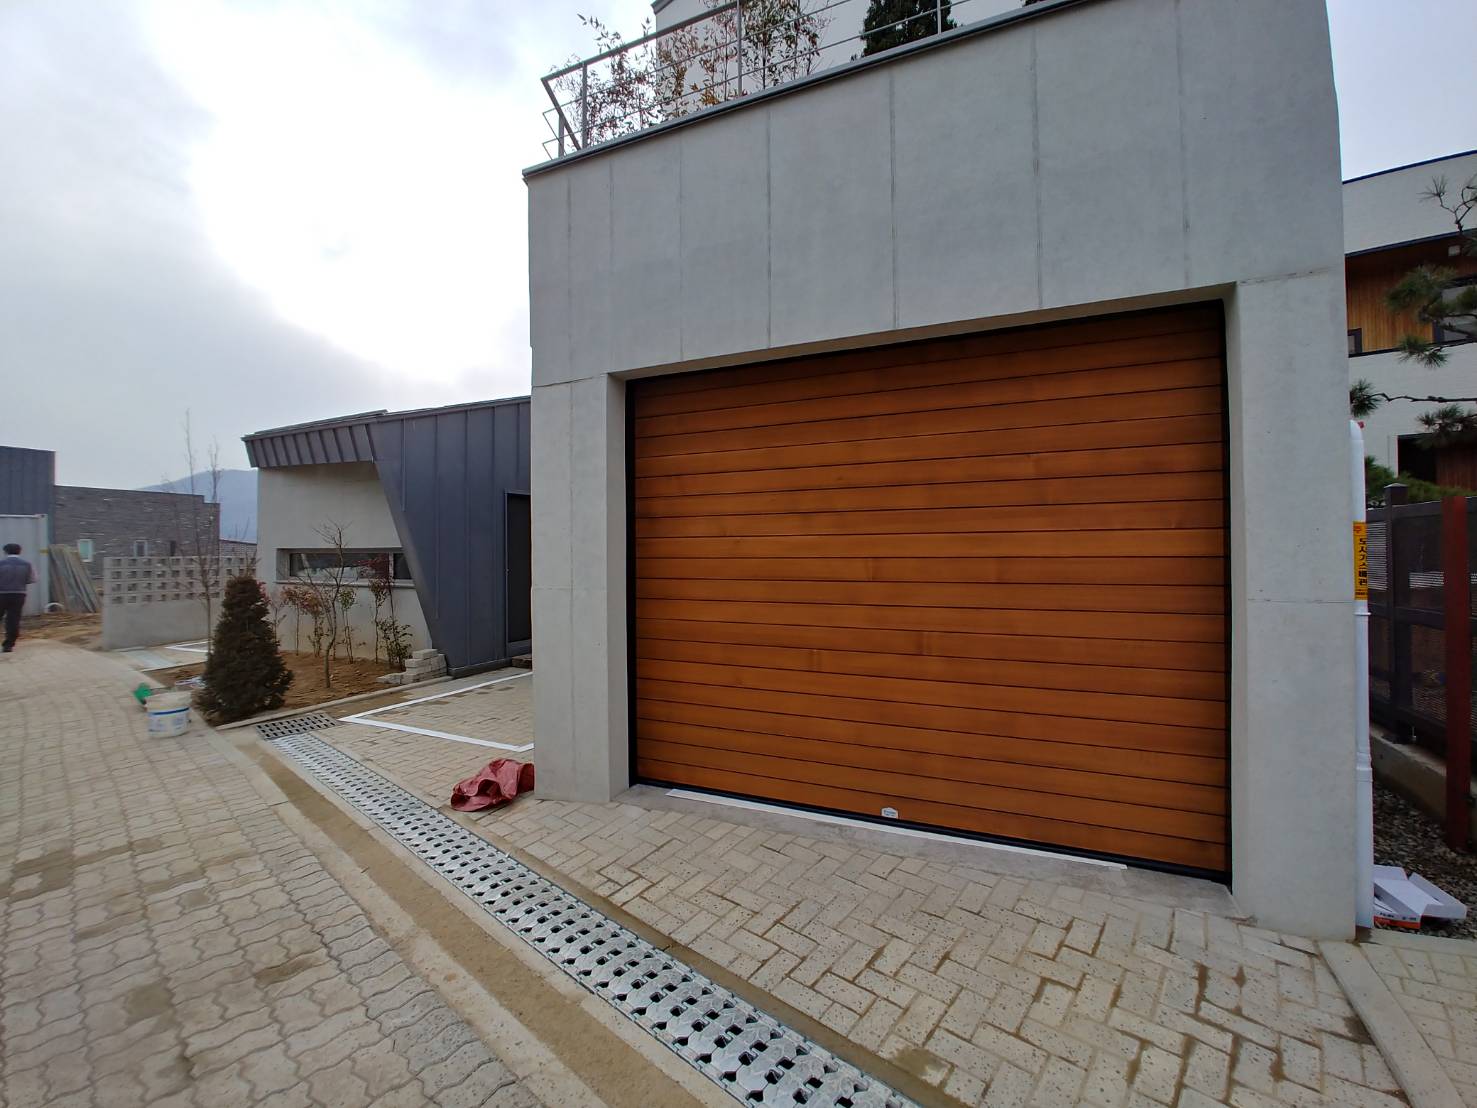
{"points": [[245, 673], [890, 23]]}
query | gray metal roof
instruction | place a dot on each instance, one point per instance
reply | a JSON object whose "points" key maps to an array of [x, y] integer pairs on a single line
{"points": [[339, 440]]}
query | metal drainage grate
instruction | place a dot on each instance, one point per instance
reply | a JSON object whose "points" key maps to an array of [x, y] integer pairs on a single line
{"points": [[751, 1055], [281, 728]]}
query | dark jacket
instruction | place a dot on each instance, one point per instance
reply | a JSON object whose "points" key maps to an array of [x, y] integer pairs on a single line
{"points": [[15, 574]]}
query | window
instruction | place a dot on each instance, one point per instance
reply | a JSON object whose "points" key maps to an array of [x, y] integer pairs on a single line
{"points": [[173, 549], [321, 563], [140, 548], [1356, 341], [84, 549]]}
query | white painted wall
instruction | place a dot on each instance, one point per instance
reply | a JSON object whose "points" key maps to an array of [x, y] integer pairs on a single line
{"points": [[1102, 157], [1382, 430], [1387, 208], [293, 501]]}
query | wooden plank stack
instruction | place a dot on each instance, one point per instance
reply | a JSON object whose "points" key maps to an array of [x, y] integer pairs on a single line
{"points": [[71, 586]]}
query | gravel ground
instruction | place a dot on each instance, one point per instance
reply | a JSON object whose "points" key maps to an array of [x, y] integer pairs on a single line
{"points": [[1405, 836]]}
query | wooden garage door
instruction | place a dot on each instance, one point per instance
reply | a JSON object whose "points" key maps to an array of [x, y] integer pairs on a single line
{"points": [[981, 582]]}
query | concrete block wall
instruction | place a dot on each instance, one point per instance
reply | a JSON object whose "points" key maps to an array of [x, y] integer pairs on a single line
{"points": [[149, 601], [1089, 158], [114, 519]]}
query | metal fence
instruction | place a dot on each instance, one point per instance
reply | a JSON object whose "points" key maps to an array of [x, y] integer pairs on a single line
{"points": [[732, 49], [1410, 669]]}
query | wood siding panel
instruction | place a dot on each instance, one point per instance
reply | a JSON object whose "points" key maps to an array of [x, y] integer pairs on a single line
{"points": [[980, 580]]}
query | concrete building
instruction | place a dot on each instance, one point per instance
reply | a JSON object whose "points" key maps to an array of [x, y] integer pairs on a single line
{"points": [[442, 492], [1388, 231], [121, 523], [912, 441]]}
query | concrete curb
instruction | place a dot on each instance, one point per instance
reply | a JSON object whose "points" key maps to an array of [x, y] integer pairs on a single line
{"points": [[1411, 1059]]}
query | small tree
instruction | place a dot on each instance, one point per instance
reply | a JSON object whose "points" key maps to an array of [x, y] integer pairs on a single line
{"points": [[890, 23], [245, 673], [323, 594], [197, 531]]}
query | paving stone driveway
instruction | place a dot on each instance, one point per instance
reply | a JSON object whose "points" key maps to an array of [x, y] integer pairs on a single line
{"points": [[166, 940], [994, 986]]}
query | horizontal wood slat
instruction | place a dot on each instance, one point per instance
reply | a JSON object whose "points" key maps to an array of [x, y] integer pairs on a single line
{"points": [[1051, 571], [1081, 334], [1135, 489], [1187, 599], [1200, 742], [1205, 542], [1020, 444], [1060, 832], [692, 719], [1102, 465], [1073, 412], [1101, 802], [1164, 627], [979, 580], [914, 393], [1171, 711], [1029, 674], [898, 641]]}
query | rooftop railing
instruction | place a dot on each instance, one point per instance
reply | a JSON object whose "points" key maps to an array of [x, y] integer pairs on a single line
{"points": [[734, 49]]}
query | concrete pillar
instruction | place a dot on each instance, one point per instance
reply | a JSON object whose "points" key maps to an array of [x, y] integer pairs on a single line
{"points": [[1292, 609]]}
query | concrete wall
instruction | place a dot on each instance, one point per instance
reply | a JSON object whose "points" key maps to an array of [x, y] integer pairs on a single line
{"points": [[149, 601], [1091, 158], [292, 502], [115, 518]]}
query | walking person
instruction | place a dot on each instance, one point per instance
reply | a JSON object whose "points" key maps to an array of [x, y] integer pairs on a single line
{"points": [[15, 575]]}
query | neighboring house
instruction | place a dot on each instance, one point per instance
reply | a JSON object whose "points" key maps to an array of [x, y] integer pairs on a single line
{"points": [[121, 523], [441, 492], [913, 442], [1388, 231]]}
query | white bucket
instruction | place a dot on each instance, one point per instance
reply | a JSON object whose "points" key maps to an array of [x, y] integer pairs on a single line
{"points": [[169, 715]]}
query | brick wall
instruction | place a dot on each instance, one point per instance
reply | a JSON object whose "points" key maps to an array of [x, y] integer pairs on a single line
{"points": [[114, 519]]}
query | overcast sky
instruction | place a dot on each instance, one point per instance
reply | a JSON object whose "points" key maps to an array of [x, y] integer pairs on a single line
{"points": [[268, 212]]}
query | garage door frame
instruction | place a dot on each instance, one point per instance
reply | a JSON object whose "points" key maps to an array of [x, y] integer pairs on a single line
{"points": [[632, 388]]}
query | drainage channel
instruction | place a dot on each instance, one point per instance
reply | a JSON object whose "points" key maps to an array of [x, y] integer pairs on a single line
{"points": [[748, 1053]]}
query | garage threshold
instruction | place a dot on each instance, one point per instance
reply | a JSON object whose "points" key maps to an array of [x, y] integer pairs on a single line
{"points": [[883, 829]]}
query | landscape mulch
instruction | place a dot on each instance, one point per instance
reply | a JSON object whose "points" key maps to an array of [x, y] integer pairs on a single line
{"points": [[307, 689]]}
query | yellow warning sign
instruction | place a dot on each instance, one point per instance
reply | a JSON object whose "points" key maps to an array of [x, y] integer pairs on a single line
{"points": [[1361, 560]]}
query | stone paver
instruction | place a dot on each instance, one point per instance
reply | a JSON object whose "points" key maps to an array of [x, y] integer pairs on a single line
{"points": [[995, 986], [166, 940], [429, 767], [1435, 982]]}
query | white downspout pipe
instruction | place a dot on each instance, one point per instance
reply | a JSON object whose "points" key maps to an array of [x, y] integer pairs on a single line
{"points": [[1363, 768]]}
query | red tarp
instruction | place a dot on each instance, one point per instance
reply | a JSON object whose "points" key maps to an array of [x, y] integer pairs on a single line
{"points": [[497, 783]]}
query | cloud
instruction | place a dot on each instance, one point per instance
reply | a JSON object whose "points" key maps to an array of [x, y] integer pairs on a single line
{"points": [[263, 212]]}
